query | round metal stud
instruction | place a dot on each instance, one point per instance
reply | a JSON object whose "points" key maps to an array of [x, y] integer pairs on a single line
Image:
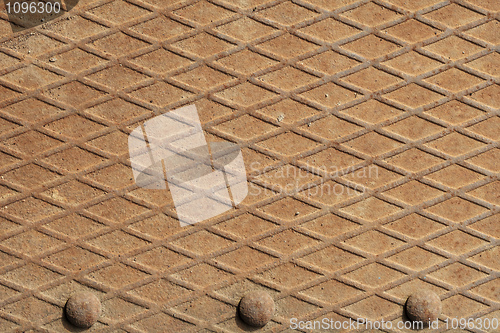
{"points": [[256, 308], [83, 309], [423, 306]]}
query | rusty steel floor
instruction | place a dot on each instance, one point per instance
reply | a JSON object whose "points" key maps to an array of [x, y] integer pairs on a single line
{"points": [[394, 104]]}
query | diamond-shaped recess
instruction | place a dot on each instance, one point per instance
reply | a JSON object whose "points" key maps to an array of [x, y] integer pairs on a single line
{"points": [[414, 160], [161, 94], [414, 128], [31, 309], [329, 62], [114, 143], [31, 143], [412, 31], [74, 126], [245, 127], [245, 94], [453, 16], [371, 47], [31, 209], [75, 27], [373, 308], [487, 64], [457, 275], [371, 14], [329, 30], [456, 209], [487, 160], [371, 209], [455, 176], [455, 144], [373, 144], [246, 62], [66, 259], [117, 111], [116, 309], [454, 80], [288, 242], [161, 61], [372, 176], [287, 209], [116, 210], [288, 177], [23, 110], [331, 128], [489, 32], [372, 79], [33, 44], [73, 160], [203, 45], [288, 110], [287, 78], [246, 4], [203, 78], [330, 95], [202, 243], [117, 275], [117, 242], [287, 46], [286, 13], [245, 259], [161, 28], [331, 161], [453, 48], [330, 5], [413, 96], [372, 111], [374, 275], [117, 77], [153, 323], [201, 275], [74, 93], [413, 5], [30, 176], [489, 192], [490, 290], [288, 144], [160, 291], [203, 13], [489, 96], [74, 226], [245, 225], [31, 77], [331, 292], [118, 44], [31, 243], [118, 12], [75, 60], [488, 258], [413, 193], [160, 259], [245, 29], [72, 193], [402, 291], [374, 242], [288, 275], [413, 63], [331, 259], [416, 259], [454, 112], [488, 226], [205, 308], [330, 193]]}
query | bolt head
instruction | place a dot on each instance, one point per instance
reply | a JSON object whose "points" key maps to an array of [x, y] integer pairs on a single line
{"points": [[83, 309], [424, 306], [256, 308]]}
